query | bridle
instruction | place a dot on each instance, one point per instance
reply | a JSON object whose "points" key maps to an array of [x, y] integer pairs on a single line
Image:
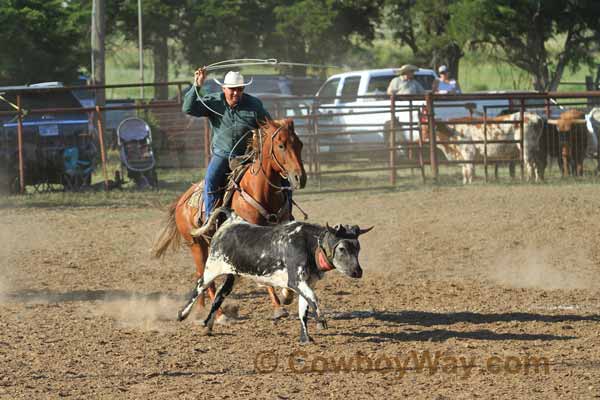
{"points": [[271, 218], [283, 172]]}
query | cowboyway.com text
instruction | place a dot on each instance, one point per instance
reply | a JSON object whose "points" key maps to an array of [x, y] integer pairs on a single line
{"points": [[423, 362]]}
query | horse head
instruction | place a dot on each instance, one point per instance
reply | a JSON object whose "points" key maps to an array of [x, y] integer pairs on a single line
{"points": [[282, 149]]}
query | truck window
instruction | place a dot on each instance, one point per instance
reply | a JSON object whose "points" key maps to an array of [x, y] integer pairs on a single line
{"points": [[379, 84], [426, 81], [350, 89], [329, 89]]}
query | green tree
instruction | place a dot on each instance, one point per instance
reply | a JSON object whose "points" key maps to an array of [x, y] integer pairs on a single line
{"points": [[323, 31], [423, 25], [524, 33], [304, 31], [215, 30], [43, 40], [160, 22]]}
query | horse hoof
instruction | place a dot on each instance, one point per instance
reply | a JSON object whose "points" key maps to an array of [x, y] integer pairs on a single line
{"points": [[287, 296], [280, 313]]}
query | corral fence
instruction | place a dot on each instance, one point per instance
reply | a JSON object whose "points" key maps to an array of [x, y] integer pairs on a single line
{"points": [[350, 143]]}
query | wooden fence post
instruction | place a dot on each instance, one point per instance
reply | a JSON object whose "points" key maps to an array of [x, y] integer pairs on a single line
{"points": [[432, 136], [102, 149], [206, 143], [392, 140], [20, 145]]}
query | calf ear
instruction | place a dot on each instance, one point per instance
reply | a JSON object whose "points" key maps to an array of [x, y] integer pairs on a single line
{"points": [[363, 231]]}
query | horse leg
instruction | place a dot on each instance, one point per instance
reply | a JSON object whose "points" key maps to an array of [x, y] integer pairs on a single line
{"points": [[279, 311]]}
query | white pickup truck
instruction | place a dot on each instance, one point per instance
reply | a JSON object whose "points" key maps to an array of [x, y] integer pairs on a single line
{"points": [[366, 119]]}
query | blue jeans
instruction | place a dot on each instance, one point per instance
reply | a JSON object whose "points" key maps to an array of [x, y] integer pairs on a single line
{"points": [[214, 181]]}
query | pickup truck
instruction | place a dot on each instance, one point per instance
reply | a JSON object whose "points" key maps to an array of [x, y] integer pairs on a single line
{"points": [[366, 119]]}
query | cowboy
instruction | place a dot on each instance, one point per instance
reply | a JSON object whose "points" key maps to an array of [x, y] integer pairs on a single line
{"points": [[233, 114], [406, 82]]}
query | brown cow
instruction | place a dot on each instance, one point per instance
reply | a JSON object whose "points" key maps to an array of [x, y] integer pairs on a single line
{"points": [[566, 139]]}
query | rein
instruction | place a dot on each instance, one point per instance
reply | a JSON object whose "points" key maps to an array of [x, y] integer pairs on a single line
{"points": [[271, 218], [272, 155]]}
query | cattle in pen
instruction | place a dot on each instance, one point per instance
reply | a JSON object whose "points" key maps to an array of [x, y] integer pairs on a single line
{"points": [[566, 139], [293, 255], [451, 133]]}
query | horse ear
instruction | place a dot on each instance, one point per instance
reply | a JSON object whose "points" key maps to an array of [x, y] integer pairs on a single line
{"points": [[290, 124]]}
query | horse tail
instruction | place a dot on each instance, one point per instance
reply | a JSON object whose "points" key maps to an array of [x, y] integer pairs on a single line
{"points": [[169, 237]]}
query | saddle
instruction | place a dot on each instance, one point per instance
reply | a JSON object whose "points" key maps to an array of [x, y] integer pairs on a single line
{"points": [[196, 200]]}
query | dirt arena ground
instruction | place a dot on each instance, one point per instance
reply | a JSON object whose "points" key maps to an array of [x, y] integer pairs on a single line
{"points": [[477, 292]]}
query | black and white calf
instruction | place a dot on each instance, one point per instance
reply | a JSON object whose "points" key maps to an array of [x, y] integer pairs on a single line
{"points": [[292, 255]]}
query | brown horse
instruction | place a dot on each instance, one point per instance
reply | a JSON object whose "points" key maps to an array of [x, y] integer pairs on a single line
{"points": [[277, 156]]}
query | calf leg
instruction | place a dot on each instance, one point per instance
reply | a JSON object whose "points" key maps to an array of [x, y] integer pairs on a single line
{"points": [[308, 298], [201, 284], [223, 292], [303, 315]]}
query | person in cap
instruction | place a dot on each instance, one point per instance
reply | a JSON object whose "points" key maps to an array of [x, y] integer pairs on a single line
{"points": [[444, 84], [232, 114], [406, 82]]}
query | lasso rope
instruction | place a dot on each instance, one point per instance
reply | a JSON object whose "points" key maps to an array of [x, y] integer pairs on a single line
{"points": [[245, 62]]}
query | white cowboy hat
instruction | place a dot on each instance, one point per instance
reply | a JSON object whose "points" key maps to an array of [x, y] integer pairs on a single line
{"points": [[233, 79], [407, 68], [442, 69]]}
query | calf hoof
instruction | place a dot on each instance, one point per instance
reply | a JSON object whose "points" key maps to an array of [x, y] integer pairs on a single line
{"points": [[287, 296], [306, 340], [321, 324], [279, 313], [181, 316], [205, 331]]}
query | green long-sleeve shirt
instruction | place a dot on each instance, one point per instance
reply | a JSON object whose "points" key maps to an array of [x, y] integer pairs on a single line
{"points": [[228, 129]]}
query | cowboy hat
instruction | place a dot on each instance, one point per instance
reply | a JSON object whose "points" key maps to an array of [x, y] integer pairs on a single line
{"points": [[442, 69], [233, 79], [407, 68]]}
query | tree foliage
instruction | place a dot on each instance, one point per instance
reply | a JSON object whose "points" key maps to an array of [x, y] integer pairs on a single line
{"points": [[423, 25], [160, 21], [309, 31], [42, 40], [522, 32]]}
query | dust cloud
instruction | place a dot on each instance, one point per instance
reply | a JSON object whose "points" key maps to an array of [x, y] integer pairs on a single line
{"points": [[545, 268], [8, 240], [140, 312]]}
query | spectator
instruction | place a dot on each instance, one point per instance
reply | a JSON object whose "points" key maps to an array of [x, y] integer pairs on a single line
{"points": [[444, 84], [406, 82]]}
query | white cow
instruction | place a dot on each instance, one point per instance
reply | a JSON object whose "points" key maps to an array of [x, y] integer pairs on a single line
{"points": [[592, 121], [461, 130]]}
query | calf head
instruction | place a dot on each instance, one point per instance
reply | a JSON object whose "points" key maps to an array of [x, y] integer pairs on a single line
{"points": [[341, 248]]}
